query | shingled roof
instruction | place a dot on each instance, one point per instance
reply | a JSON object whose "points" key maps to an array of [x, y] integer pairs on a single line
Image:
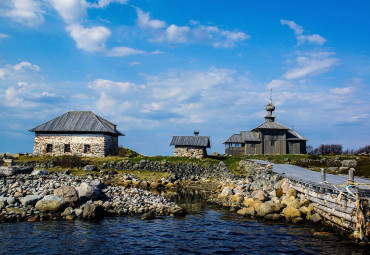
{"points": [[271, 125], [79, 122], [293, 135], [196, 141]]}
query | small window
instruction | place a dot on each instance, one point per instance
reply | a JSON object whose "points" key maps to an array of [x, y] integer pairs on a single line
{"points": [[272, 143], [67, 148], [49, 148], [87, 148]]}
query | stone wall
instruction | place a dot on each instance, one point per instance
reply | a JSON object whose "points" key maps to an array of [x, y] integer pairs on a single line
{"points": [[100, 144], [190, 152]]}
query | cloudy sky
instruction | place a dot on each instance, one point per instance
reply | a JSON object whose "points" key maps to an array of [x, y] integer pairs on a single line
{"points": [[160, 68]]}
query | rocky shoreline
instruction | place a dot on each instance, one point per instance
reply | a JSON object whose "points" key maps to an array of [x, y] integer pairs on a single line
{"points": [[42, 195], [264, 194]]}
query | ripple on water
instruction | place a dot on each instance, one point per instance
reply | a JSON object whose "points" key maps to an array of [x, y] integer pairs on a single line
{"points": [[209, 232]]}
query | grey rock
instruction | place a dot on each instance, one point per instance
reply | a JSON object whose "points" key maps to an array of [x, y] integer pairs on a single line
{"points": [[11, 200], [349, 163], [13, 170], [97, 184], [30, 200], [92, 211], [39, 172], [78, 212], [50, 204], [333, 168], [87, 192], [90, 168], [227, 191], [3, 202], [68, 193]]}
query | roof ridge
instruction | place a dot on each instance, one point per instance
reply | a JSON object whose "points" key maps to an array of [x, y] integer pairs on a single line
{"points": [[102, 123]]}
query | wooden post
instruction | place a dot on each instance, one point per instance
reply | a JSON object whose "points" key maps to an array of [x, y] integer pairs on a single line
{"points": [[351, 174], [323, 175]]}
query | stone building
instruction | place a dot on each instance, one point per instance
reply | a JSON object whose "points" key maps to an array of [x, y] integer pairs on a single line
{"points": [[191, 146], [270, 137], [80, 133]]}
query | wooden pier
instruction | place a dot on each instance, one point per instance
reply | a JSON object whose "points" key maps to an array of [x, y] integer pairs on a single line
{"points": [[342, 200]]}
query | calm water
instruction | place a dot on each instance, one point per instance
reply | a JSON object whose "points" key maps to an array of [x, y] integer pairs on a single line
{"points": [[206, 230]]}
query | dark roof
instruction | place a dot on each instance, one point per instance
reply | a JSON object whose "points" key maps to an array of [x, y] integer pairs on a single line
{"points": [[249, 136], [78, 121], [292, 135], [271, 125], [235, 138], [197, 141]]}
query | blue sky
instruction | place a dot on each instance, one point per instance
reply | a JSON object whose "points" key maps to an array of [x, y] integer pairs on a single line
{"points": [[160, 68]]}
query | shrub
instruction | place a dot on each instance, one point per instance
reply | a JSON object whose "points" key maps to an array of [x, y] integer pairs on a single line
{"points": [[68, 161], [124, 152]]}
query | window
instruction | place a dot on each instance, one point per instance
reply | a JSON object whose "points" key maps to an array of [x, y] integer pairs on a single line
{"points": [[49, 148], [272, 143], [87, 148], [67, 148], [253, 145]]}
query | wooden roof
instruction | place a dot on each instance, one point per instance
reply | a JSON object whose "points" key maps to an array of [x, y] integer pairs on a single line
{"points": [[235, 138], [78, 122], [271, 125], [196, 141], [293, 135]]}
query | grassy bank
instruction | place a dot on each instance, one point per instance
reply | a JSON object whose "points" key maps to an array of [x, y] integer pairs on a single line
{"points": [[307, 161]]}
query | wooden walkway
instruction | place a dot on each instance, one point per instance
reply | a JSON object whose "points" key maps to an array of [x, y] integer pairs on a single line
{"points": [[313, 178]]}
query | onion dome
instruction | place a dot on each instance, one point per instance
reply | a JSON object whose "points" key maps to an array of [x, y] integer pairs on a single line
{"points": [[270, 107]]}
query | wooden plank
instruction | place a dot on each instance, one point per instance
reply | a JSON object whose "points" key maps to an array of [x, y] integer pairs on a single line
{"points": [[341, 222]]}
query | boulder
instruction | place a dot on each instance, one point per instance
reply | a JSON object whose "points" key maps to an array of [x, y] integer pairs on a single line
{"points": [[150, 215], [30, 199], [39, 172], [67, 211], [3, 202], [273, 216], [92, 211], [13, 170], [268, 208], [349, 163], [291, 212], [226, 192], [68, 193], [97, 184], [11, 200], [87, 192], [246, 211], [315, 217], [260, 195], [50, 204], [90, 168], [237, 198], [248, 201]]}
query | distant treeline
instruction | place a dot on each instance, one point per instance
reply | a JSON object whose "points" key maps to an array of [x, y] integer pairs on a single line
{"points": [[336, 149]]}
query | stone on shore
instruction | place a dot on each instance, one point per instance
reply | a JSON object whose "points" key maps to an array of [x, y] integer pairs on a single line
{"points": [[90, 168], [92, 211], [291, 212], [268, 208], [226, 192], [39, 172], [30, 199], [13, 170], [246, 211], [68, 193], [87, 192], [50, 204], [3, 202], [315, 217]]}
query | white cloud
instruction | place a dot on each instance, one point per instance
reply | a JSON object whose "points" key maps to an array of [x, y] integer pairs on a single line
{"points": [[26, 65], [105, 3], [3, 36], [90, 39], [144, 21], [25, 12], [21, 70], [311, 64], [196, 33], [71, 11], [303, 38], [298, 30], [311, 39], [123, 51], [107, 85], [343, 91], [278, 84]]}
